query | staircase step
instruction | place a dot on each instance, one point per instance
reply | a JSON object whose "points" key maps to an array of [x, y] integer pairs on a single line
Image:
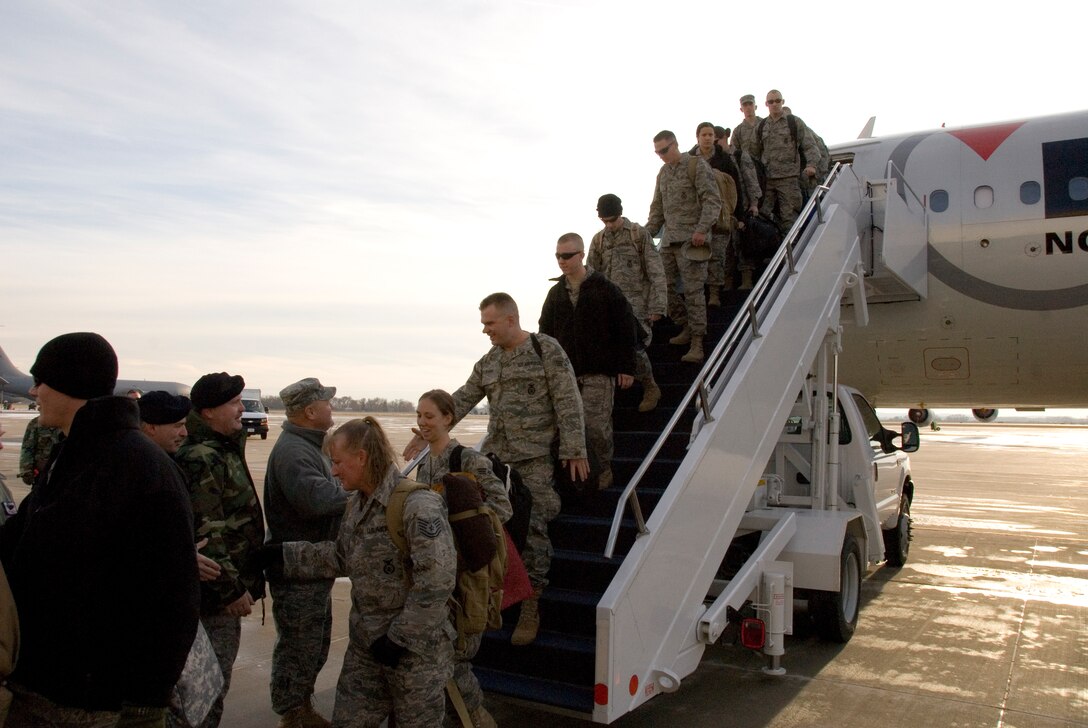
{"points": [[578, 698]]}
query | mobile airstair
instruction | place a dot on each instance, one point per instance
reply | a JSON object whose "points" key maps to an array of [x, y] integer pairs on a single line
{"points": [[636, 587]]}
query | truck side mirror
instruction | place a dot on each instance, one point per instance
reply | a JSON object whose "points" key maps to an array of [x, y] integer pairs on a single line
{"points": [[909, 439]]}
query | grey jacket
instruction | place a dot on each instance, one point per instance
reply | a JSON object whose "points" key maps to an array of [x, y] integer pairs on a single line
{"points": [[302, 500]]}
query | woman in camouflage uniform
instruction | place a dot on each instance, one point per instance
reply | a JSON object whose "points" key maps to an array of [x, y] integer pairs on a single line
{"points": [[434, 418], [399, 656]]}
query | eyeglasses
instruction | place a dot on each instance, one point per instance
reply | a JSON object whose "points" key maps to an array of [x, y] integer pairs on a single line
{"points": [[774, 101], [663, 150], [567, 256], [609, 219]]}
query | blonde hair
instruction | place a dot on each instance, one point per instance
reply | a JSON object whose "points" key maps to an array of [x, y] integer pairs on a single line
{"points": [[367, 435]]}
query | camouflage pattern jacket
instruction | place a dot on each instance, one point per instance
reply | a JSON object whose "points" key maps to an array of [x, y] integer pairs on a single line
{"points": [[680, 208], [628, 258], [531, 397], [744, 135], [38, 443], [402, 595], [226, 511], [433, 467], [777, 148]]}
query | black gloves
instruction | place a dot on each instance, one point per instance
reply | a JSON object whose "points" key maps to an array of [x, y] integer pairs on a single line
{"points": [[270, 560], [386, 651]]}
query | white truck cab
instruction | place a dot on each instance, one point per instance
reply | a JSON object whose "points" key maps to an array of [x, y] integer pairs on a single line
{"points": [[255, 415]]}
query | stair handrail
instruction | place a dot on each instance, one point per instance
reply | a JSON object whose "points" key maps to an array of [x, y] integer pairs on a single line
{"points": [[727, 353]]}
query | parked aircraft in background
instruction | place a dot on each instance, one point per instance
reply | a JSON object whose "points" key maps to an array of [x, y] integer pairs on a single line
{"points": [[992, 309], [14, 383]]}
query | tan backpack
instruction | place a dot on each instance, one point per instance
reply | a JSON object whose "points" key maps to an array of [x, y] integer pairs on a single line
{"points": [[727, 188]]}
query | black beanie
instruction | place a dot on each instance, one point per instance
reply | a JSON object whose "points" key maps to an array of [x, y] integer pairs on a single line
{"points": [[82, 365], [163, 408], [609, 206], [212, 390]]}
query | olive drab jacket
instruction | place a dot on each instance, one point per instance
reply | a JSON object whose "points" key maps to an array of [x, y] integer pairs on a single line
{"points": [[226, 512]]}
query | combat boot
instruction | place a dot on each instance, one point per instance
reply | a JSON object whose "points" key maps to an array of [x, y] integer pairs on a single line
{"points": [[303, 716], [695, 353], [746, 280], [529, 621], [482, 719], [715, 298], [651, 395], [684, 337]]}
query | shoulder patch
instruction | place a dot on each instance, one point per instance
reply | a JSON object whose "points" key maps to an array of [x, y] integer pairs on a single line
{"points": [[429, 528]]}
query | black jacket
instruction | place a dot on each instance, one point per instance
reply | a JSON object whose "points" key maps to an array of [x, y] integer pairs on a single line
{"points": [[101, 562], [600, 335]]}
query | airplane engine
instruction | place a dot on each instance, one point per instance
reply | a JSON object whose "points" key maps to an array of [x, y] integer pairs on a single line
{"points": [[985, 414], [920, 417]]}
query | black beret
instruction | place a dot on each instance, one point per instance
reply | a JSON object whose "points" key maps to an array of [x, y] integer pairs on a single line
{"points": [[163, 408], [609, 206], [212, 390], [82, 365]]}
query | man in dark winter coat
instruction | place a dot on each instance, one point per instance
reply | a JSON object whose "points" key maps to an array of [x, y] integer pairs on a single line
{"points": [[593, 322], [106, 531]]}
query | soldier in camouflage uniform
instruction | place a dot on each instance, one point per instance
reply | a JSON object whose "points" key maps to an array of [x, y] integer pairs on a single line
{"points": [[400, 650], [227, 513], [434, 418], [624, 252], [531, 397], [591, 319], [38, 443], [304, 502], [685, 207], [781, 155], [736, 256], [744, 133]]}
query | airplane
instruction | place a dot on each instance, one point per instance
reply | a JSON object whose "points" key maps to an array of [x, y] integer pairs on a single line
{"points": [[990, 309], [14, 383]]}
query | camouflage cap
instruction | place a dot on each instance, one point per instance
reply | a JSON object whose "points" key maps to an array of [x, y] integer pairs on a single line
{"points": [[747, 99], [305, 391]]}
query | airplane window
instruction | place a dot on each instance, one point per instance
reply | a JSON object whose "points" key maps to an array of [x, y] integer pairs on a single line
{"points": [[938, 200], [1031, 193], [1078, 189], [984, 197]]}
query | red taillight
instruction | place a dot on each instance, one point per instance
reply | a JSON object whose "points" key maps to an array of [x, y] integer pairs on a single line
{"points": [[600, 694], [632, 686], [753, 633]]}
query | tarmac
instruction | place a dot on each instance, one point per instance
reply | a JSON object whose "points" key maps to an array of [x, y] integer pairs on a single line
{"points": [[985, 625]]}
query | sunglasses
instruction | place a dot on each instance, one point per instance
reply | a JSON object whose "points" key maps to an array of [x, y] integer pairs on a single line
{"points": [[610, 219], [663, 150], [774, 101], [567, 256]]}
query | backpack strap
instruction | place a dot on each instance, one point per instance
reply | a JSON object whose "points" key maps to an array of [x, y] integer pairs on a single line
{"points": [[536, 346], [394, 512], [455, 459]]}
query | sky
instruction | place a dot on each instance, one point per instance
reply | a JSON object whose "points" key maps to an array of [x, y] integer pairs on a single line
{"points": [[284, 189]]}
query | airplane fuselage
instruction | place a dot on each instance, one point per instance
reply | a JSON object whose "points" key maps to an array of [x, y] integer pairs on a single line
{"points": [[1004, 322]]}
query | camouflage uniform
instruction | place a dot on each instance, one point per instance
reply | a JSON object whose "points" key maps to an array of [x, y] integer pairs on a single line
{"points": [[679, 209], [431, 470], [402, 596], [531, 399], [628, 258], [304, 502], [228, 514], [744, 136], [38, 443], [777, 149], [809, 184]]}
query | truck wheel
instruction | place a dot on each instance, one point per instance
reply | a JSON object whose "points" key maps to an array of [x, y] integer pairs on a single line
{"points": [[897, 540], [835, 614], [264, 435]]}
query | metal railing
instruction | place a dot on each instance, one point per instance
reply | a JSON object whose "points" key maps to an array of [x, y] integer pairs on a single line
{"points": [[727, 354]]}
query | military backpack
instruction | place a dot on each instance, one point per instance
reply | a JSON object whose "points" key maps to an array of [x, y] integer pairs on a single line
{"points": [[476, 603], [727, 188]]}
